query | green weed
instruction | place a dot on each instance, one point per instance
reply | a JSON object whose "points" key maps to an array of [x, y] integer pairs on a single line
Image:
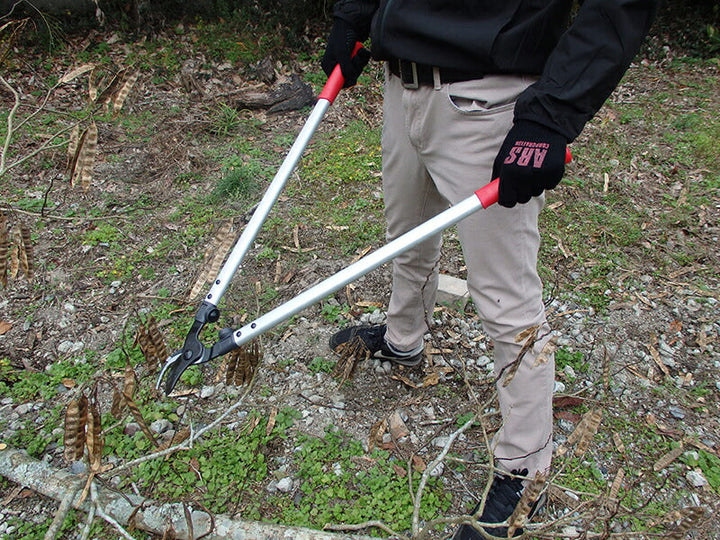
{"points": [[334, 313], [708, 463], [222, 471], [337, 487], [576, 360], [240, 180], [321, 365]]}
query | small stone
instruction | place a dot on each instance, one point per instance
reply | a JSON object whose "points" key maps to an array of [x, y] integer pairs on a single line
{"points": [[161, 425], [376, 317], [398, 429], [677, 412], [23, 408], [483, 361], [78, 467], [438, 470], [285, 485], [440, 442], [70, 347], [207, 391], [696, 479], [131, 429]]}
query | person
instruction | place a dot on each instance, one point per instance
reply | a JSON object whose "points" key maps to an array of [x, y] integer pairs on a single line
{"points": [[476, 90]]}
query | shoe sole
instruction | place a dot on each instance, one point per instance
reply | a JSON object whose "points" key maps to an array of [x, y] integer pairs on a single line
{"points": [[409, 362]]}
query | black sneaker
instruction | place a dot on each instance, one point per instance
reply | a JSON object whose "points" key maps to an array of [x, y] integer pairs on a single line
{"points": [[373, 337], [503, 497]]}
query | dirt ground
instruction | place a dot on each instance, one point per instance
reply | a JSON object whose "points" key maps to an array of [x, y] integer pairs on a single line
{"points": [[653, 357]]}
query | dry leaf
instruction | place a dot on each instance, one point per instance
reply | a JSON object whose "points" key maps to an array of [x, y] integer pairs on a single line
{"points": [[691, 517], [656, 356], [4, 327], [375, 437], [251, 424], [615, 489], [26, 252], [94, 438], [619, 444], [404, 380], [4, 249], [667, 458], [73, 142], [524, 506], [118, 404], [74, 434], [397, 426], [179, 437], [122, 95], [271, 421], [82, 165], [109, 90], [75, 73], [137, 415], [242, 364], [213, 258], [152, 344], [591, 419]]}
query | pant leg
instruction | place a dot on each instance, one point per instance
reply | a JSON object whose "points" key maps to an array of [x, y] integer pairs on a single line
{"points": [[456, 131], [410, 198]]}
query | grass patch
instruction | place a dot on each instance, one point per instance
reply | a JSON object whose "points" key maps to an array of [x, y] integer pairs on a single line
{"points": [[342, 484]]}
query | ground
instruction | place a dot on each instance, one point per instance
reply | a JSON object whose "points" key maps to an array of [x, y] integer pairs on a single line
{"points": [[630, 262]]}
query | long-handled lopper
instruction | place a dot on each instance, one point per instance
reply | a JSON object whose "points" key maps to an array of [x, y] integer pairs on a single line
{"points": [[195, 353]]}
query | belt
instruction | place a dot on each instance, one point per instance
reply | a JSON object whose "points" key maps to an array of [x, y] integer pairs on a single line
{"points": [[413, 74]]}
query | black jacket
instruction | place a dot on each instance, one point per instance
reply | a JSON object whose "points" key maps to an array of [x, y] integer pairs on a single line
{"points": [[579, 63]]}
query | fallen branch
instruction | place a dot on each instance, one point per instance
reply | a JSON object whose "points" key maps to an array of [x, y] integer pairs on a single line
{"points": [[151, 516]]}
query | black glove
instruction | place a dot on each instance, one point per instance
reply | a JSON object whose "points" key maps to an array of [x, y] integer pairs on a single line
{"points": [[531, 160], [341, 43]]}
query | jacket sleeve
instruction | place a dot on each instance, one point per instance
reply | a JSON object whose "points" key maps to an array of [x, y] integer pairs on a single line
{"points": [[587, 64], [357, 13]]}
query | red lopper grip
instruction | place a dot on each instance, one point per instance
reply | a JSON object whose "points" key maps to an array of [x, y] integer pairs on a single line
{"points": [[488, 194], [336, 80]]}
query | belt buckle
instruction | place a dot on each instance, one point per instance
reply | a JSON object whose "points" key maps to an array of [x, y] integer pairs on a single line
{"points": [[409, 80]]}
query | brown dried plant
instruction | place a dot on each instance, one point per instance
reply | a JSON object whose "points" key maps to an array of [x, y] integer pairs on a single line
{"points": [[94, 438], [527, 337], [76, 415], [127, 85], [82, 148], [525, 505], [138, 417], [582, 434], [16, 251], [351, 353], [27, 262], [242, 364], [612, 498], [152, 344], [213, 258], [691, 517], [4, 249], [82, 164]]}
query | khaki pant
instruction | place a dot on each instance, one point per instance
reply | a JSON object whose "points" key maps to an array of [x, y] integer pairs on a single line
{"points": [[438, 148]]}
